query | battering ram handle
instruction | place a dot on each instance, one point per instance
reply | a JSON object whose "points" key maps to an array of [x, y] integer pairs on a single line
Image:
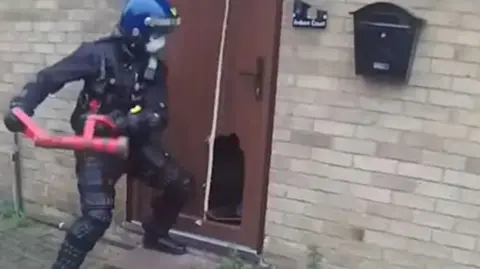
{"points": [[41, 138]]}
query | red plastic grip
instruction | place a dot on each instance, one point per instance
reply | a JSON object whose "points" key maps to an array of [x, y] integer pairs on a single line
{"points": [[88, 142]]}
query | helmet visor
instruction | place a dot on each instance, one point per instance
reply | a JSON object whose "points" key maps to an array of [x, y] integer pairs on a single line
{"points": [[162, 26]]}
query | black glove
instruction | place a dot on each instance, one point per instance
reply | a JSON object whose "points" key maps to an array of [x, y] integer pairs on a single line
{"points": [[120, 120], [100, 129], [11, 121]]}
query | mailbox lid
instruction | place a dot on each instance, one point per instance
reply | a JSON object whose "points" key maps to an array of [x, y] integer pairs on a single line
{"points": [[386, 15]]}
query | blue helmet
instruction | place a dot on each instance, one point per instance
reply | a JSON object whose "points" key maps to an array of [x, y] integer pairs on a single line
{"points": [[147, 18]]}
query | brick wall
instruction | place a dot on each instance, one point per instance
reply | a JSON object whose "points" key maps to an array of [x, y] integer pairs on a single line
{"points": [[34, 33], [378, 176]]}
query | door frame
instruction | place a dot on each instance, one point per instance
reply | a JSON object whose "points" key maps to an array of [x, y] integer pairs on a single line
{"points": [[270, 99]]}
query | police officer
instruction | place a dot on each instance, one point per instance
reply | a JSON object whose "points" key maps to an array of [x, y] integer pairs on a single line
{"points": [[124, 77]]}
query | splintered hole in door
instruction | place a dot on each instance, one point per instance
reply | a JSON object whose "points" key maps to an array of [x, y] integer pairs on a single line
{"points": [[226, 194]]}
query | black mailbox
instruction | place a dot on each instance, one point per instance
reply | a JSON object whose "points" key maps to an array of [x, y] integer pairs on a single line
{"points": [[385, 40]]}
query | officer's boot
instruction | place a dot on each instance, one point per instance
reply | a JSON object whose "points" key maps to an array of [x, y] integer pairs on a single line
{"points": [[156, 228], [160, 240]]}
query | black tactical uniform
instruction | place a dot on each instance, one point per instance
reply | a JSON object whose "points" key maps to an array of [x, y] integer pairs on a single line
{"points": [[116, 81]]}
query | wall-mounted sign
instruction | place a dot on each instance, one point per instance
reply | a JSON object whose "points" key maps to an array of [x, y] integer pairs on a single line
{"points": [[304, 16]]}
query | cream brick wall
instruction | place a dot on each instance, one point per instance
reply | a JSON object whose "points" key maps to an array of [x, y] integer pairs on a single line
{"points": [[378, 176], [35, 33]]}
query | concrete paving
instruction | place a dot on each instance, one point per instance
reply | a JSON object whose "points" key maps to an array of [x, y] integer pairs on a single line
{"points": [[140, 258], [35, 246]]}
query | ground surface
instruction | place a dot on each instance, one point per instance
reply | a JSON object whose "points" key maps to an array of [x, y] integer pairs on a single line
{"points": [[35, 247], [140, 258]]}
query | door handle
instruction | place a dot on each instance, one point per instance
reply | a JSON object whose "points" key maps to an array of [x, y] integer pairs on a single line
{"points": [[258, 77]]}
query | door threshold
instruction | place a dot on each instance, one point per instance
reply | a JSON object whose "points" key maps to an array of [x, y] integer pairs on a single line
{"points": [[203, 243]]}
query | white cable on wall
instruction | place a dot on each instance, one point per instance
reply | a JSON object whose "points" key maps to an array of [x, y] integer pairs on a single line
{"points": [[216, 105]]}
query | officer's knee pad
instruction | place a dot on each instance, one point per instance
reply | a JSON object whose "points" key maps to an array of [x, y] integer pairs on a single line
{"points": [[181, 187], [89, 228], [92, 225], [186, 182], [101, 217], [187, 185]]}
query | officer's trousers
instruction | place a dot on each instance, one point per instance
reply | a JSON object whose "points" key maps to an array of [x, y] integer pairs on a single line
{"points": [[97, 175]]}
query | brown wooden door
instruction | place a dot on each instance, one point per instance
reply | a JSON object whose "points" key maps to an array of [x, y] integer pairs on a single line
{"points": [[253, 34], [192, 55]]}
